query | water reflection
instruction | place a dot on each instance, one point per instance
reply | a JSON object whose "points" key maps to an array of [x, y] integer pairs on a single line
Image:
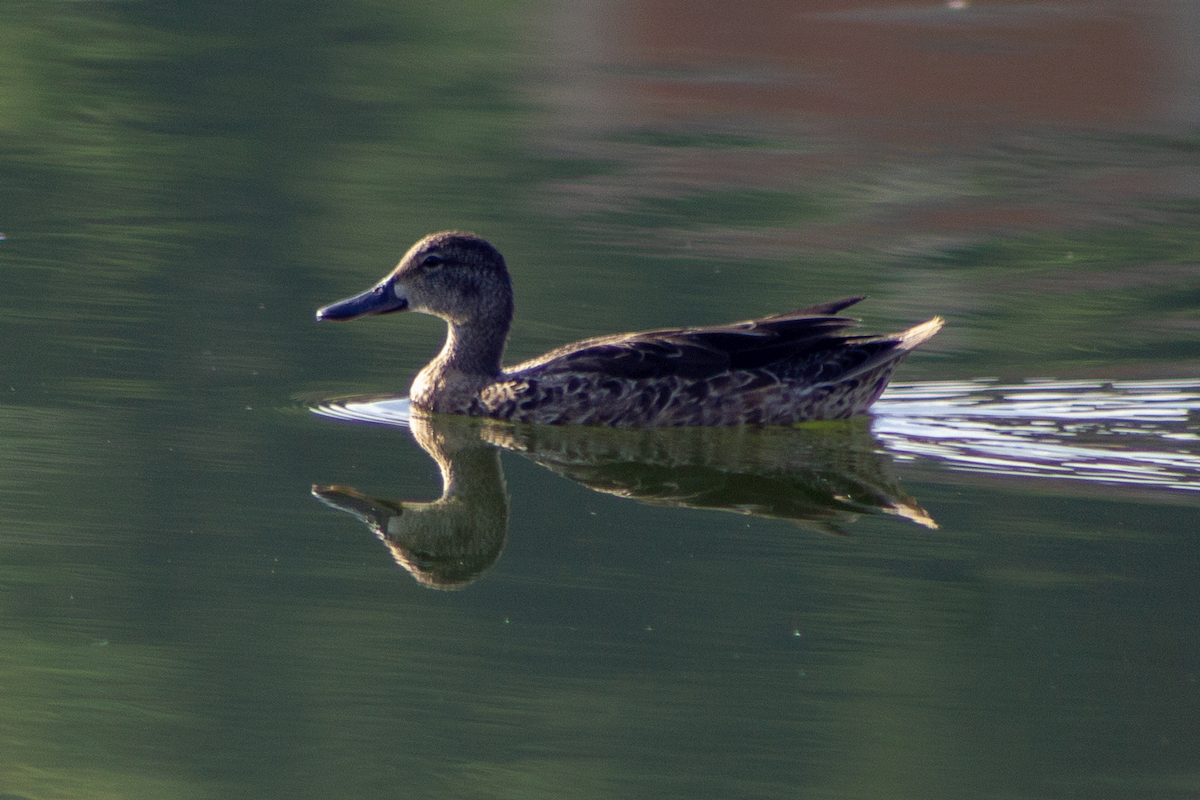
{"points": [[449, 542], [819, 476], [185, 180], [1140, 435], [1143, 434]]}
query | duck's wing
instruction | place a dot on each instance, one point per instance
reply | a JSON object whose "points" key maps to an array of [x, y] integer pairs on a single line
{"points": [[697, 353]]}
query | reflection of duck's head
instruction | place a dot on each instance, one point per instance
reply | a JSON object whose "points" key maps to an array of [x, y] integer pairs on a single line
{"points": [[785, 368], [445, 544], [448, 542]]}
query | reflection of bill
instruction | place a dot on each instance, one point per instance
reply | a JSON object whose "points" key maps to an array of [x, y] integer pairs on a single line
{"points": [[448, 542], [821, 476]]}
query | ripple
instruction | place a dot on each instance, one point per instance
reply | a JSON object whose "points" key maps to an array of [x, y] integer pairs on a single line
{"points": [[1134, 433], [376, 411], [1137, 433]]}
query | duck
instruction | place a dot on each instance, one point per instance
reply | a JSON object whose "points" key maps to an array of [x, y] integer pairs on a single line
{"points": [[798, 366]]}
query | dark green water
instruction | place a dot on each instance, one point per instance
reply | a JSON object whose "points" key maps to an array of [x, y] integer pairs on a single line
{"points": [[182, 184]]}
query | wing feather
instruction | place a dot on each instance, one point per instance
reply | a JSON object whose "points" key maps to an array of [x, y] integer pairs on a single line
{"points": [[697, 353]]}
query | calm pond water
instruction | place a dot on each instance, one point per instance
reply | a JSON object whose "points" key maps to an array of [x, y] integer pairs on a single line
{"points": [[224, 546]]}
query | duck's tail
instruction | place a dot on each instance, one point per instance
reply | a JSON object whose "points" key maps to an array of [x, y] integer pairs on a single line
{"points": [[890, 350], [918, 334]]}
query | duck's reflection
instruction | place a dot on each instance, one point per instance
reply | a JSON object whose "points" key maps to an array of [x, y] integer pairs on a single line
{"points": [[451, 541], [821, 476]]}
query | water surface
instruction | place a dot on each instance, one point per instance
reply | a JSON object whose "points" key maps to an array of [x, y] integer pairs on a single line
{"points": [[185, 183]]}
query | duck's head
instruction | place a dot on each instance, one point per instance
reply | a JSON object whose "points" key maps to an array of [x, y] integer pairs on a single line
{"points": [[453, 275]]}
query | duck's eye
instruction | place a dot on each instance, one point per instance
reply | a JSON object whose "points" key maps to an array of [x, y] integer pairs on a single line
{"points": [[433, 260]]}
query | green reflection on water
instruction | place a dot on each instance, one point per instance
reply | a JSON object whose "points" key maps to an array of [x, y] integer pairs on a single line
{"points": [[1109, 302], [186, 182], [84, 718], [703, 139], [733, 209]]}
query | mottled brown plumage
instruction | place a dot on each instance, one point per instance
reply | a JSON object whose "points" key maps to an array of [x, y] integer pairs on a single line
{"points": [[787, 368]]}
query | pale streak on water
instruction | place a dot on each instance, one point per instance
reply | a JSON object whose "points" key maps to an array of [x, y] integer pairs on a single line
{"points": [[1133, 433], [1138, 433]]}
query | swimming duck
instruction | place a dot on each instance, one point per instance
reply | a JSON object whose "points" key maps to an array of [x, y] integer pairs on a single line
{"points": [[778, 370]]}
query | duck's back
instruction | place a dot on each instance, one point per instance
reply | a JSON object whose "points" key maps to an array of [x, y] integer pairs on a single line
{"points": [[787, 368]]}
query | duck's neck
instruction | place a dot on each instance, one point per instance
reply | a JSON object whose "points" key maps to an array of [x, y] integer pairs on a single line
{"points": [[473, 349], [469, 360]]}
